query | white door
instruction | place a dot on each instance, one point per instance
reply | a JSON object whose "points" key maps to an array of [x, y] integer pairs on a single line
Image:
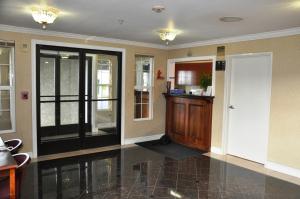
{"points": [[249, 106]]}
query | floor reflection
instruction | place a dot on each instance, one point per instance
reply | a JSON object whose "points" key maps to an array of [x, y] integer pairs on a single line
{"points": [[139, 173]]}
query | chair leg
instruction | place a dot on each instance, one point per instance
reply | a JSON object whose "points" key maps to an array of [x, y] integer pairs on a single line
{"points": [[12, 184]]}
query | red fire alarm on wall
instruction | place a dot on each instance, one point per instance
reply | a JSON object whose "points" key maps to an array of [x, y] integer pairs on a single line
{"points": [[159, 75], [24, 95]]}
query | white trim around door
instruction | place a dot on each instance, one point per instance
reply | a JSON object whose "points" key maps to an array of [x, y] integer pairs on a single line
{"points": [[72, 45], [172, 62], [227, 85]]}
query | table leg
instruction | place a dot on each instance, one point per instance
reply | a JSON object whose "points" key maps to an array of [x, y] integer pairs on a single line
{"points": [[12, 184]]}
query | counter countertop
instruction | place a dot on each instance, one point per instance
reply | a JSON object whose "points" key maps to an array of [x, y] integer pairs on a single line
{"points": [[189, 96]]}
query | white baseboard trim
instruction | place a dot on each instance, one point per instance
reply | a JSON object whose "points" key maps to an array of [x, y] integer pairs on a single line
{"points": [[216, 150], [283, 169], [142, 139]]}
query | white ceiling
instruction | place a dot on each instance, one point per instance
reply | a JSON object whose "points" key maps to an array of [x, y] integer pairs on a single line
{"points": [[197, 19]]}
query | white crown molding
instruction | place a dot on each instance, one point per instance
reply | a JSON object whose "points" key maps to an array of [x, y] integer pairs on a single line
{"points": [[142, 139], [9, 28], [249, 37], [282, 169]]}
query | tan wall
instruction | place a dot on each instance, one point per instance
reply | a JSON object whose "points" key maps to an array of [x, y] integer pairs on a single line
{"points": [[284, 135], [132, 129]]}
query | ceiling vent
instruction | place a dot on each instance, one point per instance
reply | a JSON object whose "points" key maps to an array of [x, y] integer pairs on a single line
{"points": [[231, 19], [158, 8]]}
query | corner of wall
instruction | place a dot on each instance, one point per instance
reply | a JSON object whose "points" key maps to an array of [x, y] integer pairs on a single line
{"points": [[216, 150]]}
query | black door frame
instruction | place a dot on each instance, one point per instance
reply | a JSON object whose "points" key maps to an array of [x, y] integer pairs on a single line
{"points": [[83, 141]]}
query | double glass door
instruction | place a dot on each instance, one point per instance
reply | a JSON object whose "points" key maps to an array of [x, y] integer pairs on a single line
{"points": [[78, 98]]}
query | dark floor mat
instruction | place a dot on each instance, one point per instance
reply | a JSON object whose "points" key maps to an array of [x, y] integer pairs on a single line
{"points": [[172, 150]]}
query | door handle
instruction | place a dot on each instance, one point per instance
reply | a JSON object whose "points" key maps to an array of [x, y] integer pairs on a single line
{"points": [[231, 107]]}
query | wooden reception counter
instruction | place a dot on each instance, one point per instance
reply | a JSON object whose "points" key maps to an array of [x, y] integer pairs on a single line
{"points": [[188, 120]]}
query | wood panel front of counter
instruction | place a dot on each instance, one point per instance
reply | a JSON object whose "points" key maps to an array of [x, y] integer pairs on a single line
{"points": [[188, 120]]}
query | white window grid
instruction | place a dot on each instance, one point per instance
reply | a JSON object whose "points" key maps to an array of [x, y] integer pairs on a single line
{"points": [[11, 89], [101, 104], [142, 85]]}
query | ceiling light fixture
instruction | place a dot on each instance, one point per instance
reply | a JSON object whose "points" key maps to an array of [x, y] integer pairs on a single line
{"points": [[167, 35], [231, 19], [44, 15]]}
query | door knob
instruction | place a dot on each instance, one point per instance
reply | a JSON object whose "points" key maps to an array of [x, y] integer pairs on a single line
{"points": [[231, 107]]}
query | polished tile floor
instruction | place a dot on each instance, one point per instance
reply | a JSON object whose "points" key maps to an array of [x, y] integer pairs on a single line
{"points": [[138, 173]]}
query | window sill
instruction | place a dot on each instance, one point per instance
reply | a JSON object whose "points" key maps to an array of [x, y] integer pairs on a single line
{"points": [[104, 110], [142, 119], [7, 131]]}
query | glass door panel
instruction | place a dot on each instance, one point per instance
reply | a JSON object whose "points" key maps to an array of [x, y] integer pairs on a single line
{"points": [[47, 114], [102, 91], [47, 91], [69, 90], [69, 113], [47, 76], [104, 122], [47, 96]]}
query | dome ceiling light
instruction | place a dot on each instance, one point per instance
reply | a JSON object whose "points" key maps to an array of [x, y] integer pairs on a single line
{"points": [[167, 35], [44, 15]]}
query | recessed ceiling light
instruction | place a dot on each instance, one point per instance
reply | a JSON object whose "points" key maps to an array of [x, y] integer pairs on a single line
{"points": [[158, 8], [231, 19]]}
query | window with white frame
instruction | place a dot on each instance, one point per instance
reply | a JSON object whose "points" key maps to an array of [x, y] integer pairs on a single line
{"points": [[104, 84], [143, 87], [7, 91]]}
